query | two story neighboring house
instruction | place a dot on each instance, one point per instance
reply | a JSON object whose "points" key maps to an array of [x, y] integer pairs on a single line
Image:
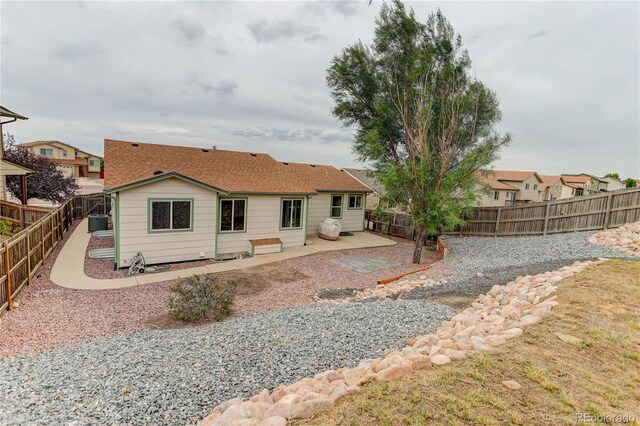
{"points": [[526, 184], [614, 184], [71, 161], [495, 193], [585, 184], [555, 188]]}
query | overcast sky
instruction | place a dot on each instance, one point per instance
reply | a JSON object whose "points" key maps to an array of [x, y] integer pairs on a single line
{"points": [[250, 76]]}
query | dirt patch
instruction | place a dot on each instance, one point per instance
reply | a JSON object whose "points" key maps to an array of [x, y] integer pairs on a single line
{"points": [[592, 369]]}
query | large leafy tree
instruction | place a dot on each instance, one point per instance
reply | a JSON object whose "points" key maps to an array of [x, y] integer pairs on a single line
{"points": [[423, 123], [630, 183], [46, 183]]}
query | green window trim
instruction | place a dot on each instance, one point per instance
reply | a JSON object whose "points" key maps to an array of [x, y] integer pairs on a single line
{"points": [[361, 202], [341, 206], [302, 213], [219, 211], [150, 201]]}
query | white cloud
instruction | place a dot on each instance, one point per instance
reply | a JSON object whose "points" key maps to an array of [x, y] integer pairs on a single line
{"points": [[251, 76]]}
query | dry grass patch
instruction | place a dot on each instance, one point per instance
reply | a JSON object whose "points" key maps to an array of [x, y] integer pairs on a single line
{"points": [[598, 374]]}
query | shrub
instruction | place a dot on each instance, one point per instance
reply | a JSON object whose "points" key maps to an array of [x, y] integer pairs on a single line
{"points": [[201, 296], [7, 228]]}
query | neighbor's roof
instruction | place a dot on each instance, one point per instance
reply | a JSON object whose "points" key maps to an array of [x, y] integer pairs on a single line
{"points": [[367, 178], [78, 161], [576, 178], [38, 143], [512, 175], [495, 184], [5, 112], [326, 178], [127, 163], [548, 180]]}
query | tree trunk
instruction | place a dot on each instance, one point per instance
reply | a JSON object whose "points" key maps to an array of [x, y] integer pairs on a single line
{"points": [[417, 252]]}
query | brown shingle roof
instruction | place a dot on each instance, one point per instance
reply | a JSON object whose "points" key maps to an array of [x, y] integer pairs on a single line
{"points": [[548, 180], [512, 175], [130, 162], [576, 178], [495, 184], [327, 178], [79, 161]]}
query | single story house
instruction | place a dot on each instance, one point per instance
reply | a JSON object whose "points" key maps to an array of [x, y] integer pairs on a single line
{"points": [[9, 168], [366, 178], [175, 203], [71, 161]]}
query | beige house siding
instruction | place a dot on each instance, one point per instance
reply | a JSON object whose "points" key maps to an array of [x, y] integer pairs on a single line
{"points": [[164, 247], [614, 184], [530, 194], [262, 221], [320, 209], [372, 201]]}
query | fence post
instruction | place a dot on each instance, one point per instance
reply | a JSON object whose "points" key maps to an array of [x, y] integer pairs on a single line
{"points": [[42, 238], [8, 266], [607, 214], [495, 232], [28, 259], [21, 218], [546, 217]]}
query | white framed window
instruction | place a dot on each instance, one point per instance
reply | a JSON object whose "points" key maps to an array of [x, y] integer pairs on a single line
{"points": [[64, 153], [355, 202], [47, 152], [526, 186], [496, 195], [92, 162], [166, 215], [336, 206], [535, 186], [233, 217], [291, 213]]}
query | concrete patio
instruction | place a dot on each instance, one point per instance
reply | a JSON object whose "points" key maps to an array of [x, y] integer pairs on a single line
{"points": [[68, 271]]}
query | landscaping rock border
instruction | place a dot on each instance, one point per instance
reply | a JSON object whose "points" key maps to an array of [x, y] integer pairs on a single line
{"points": [[625, 238], [501, 314]]}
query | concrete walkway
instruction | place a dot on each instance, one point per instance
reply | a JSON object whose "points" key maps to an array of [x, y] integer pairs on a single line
{"points": [[68, 270]]}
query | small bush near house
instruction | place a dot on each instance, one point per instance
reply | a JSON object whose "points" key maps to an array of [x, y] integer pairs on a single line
{"points": [[7, 228], [201, 296]]}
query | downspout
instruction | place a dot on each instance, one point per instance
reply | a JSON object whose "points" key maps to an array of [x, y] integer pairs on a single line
{"points": [[306, 219], [116, 228]]}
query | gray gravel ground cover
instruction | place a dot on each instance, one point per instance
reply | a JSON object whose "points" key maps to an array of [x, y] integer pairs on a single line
{"points": [[457, 292], [174, 376], [470, 255]]}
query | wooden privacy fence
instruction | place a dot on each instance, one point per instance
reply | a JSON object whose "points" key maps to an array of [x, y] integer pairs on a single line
{"points": [[20, 215], [85, 205], [593, 212], [24, 253]]}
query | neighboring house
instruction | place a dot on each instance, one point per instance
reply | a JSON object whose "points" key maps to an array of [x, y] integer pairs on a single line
{"points": [[585, 184], [526, 184], [8, 168], [555, 188], [366, 178], [614, 184], [495, 193], [71, 161], [182, 203]]}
